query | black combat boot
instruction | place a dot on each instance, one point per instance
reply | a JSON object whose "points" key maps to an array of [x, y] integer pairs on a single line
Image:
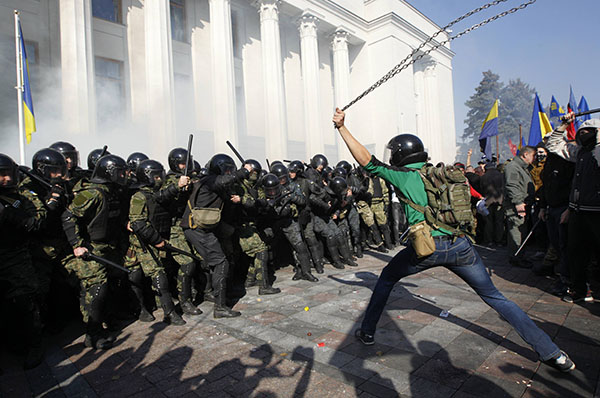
{"points": [[346, 254], [221, 310], [304, 260], [376, 235], [136, 279], [250, 280], [185, 296], [332, 246], [315, 254], [161, 285]]}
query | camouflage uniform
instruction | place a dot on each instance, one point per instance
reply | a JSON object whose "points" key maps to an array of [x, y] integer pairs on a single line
{"points": [[379, 203], [250, 241]]}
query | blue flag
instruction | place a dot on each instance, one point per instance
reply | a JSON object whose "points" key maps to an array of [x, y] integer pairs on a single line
{"points": [[555, 109], [583, 107], [540, 125], [489, 128]]}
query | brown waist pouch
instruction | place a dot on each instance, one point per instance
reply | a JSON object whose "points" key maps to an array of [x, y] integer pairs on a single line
{"points": [[421, 239]]}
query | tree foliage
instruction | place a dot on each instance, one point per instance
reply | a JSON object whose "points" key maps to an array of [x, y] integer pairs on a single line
{"points": [[515, 107]]}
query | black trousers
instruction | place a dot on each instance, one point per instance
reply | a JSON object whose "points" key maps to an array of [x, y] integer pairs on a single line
{"points": [[209, 248], [584, 238]]}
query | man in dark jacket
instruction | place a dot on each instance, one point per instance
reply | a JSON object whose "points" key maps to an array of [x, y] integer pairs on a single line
{"points": [[518, 193], [583, 213], [212, 192], [492, 188]]}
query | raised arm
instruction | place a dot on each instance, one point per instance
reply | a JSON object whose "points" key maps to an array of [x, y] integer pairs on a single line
{"points": [[358, 151]]}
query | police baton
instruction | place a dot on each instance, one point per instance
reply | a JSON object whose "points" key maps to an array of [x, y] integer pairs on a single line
{"points": [[528, 236], [145, 249], [35, 177], [564, 118], [101, 260], [180, 251], [235, 151], [188, 156]]}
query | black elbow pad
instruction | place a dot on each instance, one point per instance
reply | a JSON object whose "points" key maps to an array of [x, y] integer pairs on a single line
{"points": [[69, 223]]}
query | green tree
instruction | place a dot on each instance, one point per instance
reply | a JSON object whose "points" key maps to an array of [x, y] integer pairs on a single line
{"points": [[514, 109]]}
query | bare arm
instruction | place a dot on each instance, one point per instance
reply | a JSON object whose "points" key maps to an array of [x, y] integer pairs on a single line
{"points": [[358, 151]]}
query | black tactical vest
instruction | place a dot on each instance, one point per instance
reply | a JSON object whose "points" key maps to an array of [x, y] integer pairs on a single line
{"points": [[158, 215], [106, 224]]}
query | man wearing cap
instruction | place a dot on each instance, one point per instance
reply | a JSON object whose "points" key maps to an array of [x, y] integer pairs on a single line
{"points": [[583, 214]]}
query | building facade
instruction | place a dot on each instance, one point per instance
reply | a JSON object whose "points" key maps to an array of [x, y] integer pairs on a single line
{"points": [[266, 75]]}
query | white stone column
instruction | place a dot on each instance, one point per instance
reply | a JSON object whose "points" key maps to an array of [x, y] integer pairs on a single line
{"points": [[77, 66], [274, 91], [341, 81], [309, 52], [432, 111], [159, 72], [223, 78]]}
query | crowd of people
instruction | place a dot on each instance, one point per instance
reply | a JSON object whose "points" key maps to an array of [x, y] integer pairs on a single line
{"points": [[540, 193], [127, 236], [129, 231]]}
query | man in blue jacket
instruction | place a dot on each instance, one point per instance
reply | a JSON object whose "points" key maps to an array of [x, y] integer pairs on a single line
{"points": [[406, 157]]}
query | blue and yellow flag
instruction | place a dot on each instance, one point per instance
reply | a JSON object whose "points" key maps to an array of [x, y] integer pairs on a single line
{"points": [[489, 128], [27, 101], [540, 124], [583, 107], [555, 109]]}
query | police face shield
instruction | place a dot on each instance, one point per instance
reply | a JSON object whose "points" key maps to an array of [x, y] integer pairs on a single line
{"points": [[158, 178], [118, 175], [55, 174], [227, 168], [387, 155], [272, 192], [72, 158]]}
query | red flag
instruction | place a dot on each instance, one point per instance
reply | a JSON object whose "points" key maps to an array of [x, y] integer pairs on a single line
{"points": [[571, 127], [513, 147]]}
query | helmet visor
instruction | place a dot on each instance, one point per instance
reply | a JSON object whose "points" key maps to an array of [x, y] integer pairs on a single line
{"points": [[272, 192], [387, 155], [8, 177]]}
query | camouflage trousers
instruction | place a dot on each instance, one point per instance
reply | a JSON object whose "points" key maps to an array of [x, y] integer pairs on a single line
{"points": [[378, 209], [365, 212], [252, 244], [17, 273], [90, 273]]}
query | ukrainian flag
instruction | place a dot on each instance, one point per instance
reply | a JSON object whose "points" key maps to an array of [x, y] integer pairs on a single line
{"points": [[555, 109], [540, 124], [27, 101], [489, 128]]}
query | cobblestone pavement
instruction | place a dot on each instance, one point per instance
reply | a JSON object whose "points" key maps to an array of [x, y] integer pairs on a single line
{"points": [[300, 344]]}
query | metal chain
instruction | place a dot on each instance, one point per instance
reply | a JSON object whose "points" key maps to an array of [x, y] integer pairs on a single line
{"points": [[403, 64]]}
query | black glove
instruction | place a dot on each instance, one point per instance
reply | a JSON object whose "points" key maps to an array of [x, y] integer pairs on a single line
{"points": [[56, 202]]}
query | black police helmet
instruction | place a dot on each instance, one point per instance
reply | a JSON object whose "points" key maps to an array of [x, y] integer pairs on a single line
{"points": [[281, 172], [273, 164], [271, 185], [221, 164], [296, 166], [345, 165], [339, 172], [150, 173], [134, 160], [404, 149], [318, 160], [178, 156], [93, 158], [9, 168], [339, 186], [68, 151], [110, 169], [254, 164], [46, 162]]}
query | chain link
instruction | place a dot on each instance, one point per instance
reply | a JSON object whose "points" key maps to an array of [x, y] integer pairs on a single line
{"points": [[403, 64]]}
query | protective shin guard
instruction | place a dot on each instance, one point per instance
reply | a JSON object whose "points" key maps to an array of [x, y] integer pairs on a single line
{"points": [[346, 254], [136, 278], [161, 285], [304, 259], [185, 296], [332, 246], [317, 258], [32, 328], [265, 285]]}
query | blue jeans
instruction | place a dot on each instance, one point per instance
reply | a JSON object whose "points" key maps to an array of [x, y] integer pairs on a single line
{"points": [[460, 258]]}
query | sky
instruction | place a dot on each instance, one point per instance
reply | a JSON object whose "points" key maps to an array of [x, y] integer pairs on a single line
{"points": [[549, 45]]}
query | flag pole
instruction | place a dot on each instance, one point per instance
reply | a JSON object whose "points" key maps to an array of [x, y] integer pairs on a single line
{"points": [[520, 135], [498, 148], [19, 88]]}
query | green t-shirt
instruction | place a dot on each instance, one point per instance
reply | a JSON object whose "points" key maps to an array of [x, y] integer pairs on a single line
{"points": [[409, 184]]}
